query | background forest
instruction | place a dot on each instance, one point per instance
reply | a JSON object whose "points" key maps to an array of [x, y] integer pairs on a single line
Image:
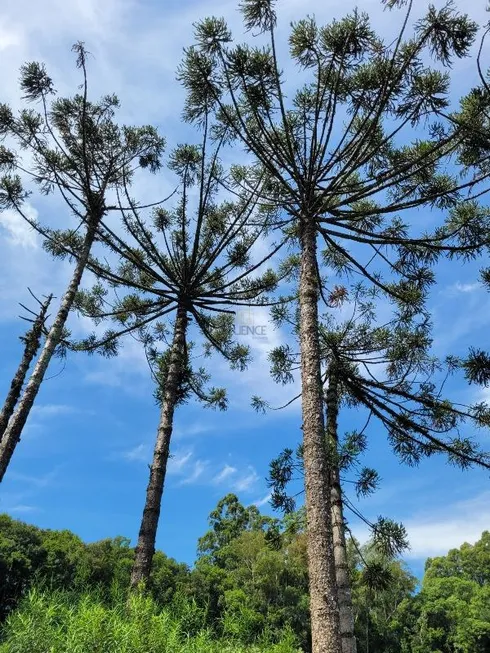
{"points": [[251, 258], [245, 589]]}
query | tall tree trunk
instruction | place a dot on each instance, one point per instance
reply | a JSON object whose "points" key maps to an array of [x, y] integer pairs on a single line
{"points": [[145, 549], [346, 611], [32, 342], [325, 624], [18, 420]]}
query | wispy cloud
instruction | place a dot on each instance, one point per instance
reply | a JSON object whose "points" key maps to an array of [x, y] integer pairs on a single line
{"points": [[189, 468], [192, 469], [121, 371], [224, 474], [263, 501], [24, 264], [178, 462], [183, 464], [19, 502], [197, 469], [19, 232], [140, 453], [256, 379], [45, 480], [191, 430], [50, 410], [434, 532], [246, 482], [460, 287], [20, 508], [22, 491]]}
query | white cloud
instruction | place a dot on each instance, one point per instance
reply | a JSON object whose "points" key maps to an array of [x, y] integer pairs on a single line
{"points": [[482, 394], [198, 467], [190, 430], [23, 265], [191, 469], [256, 379], [49, 410], [246, 482], [139, 453], [8, 37], [467, 287], [19, 502], [46, 480], [39, 422], [183, 464], [472, 314], [177, 462], [460, 287], [263, 501], [21, 508], [120, 371], [434, 532], [224, 474], [20, 233]]}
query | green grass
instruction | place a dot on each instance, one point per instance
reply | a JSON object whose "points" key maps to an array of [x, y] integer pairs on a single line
{"points": [[58, 623]]}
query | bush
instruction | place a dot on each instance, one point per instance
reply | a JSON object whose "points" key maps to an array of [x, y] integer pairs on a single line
{"points": [[54, 623]]}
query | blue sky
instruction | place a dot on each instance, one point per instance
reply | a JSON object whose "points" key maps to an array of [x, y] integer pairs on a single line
{"points": [[82, 462]]}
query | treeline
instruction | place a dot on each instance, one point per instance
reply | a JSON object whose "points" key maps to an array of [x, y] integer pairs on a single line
{"points": [[250, 585]]}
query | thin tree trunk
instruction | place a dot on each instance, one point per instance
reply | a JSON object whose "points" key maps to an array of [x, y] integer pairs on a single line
{"points": [[325, 624], [145, 548], [18, 420], [346, 611], [32, 340]]}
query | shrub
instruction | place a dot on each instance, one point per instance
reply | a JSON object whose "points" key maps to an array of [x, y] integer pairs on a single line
{"points": [[56, 623]]}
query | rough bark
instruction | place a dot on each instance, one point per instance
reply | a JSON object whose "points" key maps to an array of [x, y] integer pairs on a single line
{"points": [[18, 420], [325, 624], [32, 342], [145, 548], [346, 611]]}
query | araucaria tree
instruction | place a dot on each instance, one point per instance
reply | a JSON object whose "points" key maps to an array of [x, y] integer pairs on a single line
{"points": [[387, 373], [368, 137], [195, 265], [72, 146], [389, 370], [32, 342]]}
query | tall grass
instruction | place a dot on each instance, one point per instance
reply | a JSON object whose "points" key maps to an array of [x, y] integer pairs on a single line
{"points": [[58, 623]]}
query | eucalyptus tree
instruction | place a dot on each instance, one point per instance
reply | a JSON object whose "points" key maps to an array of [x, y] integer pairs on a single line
{"points": [[32, 342], [74, 147], [194, 264], [369, 135], [227, 521]]}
